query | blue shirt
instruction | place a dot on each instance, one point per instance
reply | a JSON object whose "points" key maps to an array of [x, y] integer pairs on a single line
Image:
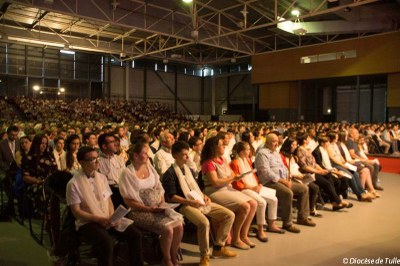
{"points": [[270, 167]]}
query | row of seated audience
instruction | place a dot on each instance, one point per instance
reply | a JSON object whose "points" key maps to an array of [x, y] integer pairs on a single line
{"points": [[91, 110], [221, 176]]}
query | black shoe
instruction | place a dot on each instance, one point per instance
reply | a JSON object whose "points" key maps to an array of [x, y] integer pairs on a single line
{"points": [[337, 207], [349, 205], [378, 187], [262, 239]]}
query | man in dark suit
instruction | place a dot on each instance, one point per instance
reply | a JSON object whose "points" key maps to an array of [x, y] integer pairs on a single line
{"points": [[8, 148]]}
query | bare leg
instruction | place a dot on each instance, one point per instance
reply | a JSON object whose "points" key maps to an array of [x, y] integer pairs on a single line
{"points": [[165, 244], [272, 226], [261, 232], [244, 232], [177, 237], [240, 217], [366, 180]]}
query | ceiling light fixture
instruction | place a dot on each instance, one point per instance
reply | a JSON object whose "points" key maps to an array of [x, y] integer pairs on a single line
{"points": [[67, 52], [187, 1], [295, 12], [35, 41]]}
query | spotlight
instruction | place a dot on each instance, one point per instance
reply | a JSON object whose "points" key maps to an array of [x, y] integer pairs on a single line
{"points": [[295, 12]]}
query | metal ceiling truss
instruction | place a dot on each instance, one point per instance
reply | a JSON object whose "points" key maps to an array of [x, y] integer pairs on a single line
{"points": [[206, 32]]}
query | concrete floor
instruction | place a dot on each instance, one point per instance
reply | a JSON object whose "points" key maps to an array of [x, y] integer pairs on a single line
{"points": [[366, 231]]}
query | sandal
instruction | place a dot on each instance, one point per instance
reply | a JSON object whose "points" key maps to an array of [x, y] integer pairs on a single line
{"points": [[249, 243], [242, 246], [262, 238], [276, 231]]}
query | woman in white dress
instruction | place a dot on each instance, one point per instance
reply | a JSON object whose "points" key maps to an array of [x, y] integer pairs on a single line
{"points": [[142, 191]]}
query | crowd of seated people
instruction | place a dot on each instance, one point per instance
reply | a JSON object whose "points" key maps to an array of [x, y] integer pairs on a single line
{"points": [[90, 110], [206, 167]]}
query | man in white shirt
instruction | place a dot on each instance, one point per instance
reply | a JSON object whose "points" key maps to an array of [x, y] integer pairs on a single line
{"points": [[124, 141], [312, 144], [88, 196], [111, 165], [58, 153], [196, 145], [155, 145], [226, 139], [163, 158]]}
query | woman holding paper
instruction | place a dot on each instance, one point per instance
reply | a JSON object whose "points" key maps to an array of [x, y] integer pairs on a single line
{"points": [[142, 191], [218, 176], [362, 169], [249, 185], [323, 179], [289, 159], [339, 162]]}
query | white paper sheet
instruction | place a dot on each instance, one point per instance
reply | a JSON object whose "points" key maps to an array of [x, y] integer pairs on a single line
{"points": [[120, 212]]}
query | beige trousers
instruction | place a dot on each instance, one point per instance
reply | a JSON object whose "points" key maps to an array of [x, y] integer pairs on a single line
{"points": [[221, 219]]}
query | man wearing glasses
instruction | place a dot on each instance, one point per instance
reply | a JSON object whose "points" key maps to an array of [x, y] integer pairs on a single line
{"points": [[89, 197]]}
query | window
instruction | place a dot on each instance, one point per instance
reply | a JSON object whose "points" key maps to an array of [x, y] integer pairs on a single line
{"points": [[328, 57]]}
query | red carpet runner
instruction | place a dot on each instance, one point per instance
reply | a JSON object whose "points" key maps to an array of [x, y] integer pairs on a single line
{"points": [[389, 164]]}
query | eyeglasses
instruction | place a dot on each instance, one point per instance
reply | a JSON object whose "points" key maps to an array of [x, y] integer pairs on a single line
{"points": [[90, 160]]}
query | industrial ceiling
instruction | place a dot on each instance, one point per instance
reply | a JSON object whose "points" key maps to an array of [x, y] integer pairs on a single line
{"points": [[204, 32]]}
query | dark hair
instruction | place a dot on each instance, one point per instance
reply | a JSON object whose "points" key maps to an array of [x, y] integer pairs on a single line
{"points": [[219, 127], [331, 135], [68, 156], [56, 139], [82, 152], [322, 139], [210, 149], [20, 142], [246, 136], [157, 132], [117, 129], [178, 146], [12, 128], [35, 147], [197, 132], [240, 146], [192, 141], [135, 134], [342, 136], [86, 136], [301, 137], [222, 134], [184, 136], [286, 148], [102, 139]]}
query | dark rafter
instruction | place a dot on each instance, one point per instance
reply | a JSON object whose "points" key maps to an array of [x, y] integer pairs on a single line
{"points": [[38, 20]]}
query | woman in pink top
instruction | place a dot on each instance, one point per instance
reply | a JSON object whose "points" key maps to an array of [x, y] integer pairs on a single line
{"points": [[218, 176]]}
